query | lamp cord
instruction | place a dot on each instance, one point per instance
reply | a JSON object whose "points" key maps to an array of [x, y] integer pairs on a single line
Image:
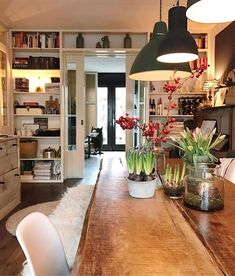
{"points": [[160, 10], [177, 3]]}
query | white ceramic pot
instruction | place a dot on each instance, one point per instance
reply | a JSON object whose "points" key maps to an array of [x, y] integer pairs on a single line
{"points": [[141, 189]]}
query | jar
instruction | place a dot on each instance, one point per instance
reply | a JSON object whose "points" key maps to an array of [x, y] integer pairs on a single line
{"points": [[204, 188]]}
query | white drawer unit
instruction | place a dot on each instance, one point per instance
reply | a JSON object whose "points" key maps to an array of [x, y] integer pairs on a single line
{"points": [[10, 188]]}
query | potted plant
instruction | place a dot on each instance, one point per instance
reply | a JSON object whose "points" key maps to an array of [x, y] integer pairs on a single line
{"points": [[196, 146], [204, 188], [140, 164], [173, 181]]}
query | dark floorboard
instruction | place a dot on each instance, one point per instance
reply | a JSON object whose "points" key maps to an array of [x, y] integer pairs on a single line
{"points": [[11, 255]]}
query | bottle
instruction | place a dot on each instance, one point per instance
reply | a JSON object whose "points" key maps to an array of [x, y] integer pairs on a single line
{"points": [[153, 107], [150, 107], [127, 41], [98, 45], [159, 107], [80, 41], [105, 40]]}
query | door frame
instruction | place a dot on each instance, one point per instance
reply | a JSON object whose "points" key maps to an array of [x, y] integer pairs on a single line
{"points": [[112, 80], [74, 159]]}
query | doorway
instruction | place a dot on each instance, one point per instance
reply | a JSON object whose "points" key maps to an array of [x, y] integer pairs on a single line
{"points": [[111, 104]]}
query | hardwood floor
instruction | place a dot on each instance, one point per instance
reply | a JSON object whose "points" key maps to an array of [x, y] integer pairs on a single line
{"points": [[11, 255]]}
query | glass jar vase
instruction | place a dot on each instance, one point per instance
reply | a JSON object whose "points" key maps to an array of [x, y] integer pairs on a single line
{"points": [[204, 188]]}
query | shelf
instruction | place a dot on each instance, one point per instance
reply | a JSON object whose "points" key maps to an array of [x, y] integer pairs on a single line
{"points": [[37, 115], [36, 93], [177, 116], [40, 158], [51, 71], [103, 51], [29, 179], [36, 49], [177, 93], [39, 137]]}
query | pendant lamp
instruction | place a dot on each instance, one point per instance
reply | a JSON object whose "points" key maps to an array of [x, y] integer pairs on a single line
{"points": [[178, 45], [211, 11], [147, 68]]}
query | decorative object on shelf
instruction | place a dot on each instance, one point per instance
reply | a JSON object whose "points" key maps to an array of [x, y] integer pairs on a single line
{"points": [[49, 153], [80, 41], [140, 164], [207, 11], [52, 87], [98, 45], [42, 122], [178, 45], [39, 86], [173, 181], [105, 41], [55, 79], [58, 152], [127, 41], [28, 148], [52, 106], [21, 85], [147, 68], [28, 109]]}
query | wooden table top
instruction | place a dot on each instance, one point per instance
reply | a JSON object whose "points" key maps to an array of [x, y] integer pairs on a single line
{"points": [[157, 236]]}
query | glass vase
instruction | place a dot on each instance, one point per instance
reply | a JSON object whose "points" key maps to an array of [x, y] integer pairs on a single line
{"points": [[173, 190], [204, 188], [160, 162]]}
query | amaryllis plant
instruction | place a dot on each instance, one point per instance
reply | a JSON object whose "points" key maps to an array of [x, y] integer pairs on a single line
{"points": [[153, 131]]}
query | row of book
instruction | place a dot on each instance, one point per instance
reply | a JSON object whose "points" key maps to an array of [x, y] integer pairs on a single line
{"points": [[36, 63], [35, 40]]}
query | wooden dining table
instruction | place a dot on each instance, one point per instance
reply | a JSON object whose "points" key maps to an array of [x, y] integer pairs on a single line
{"points": [[123, 235]]}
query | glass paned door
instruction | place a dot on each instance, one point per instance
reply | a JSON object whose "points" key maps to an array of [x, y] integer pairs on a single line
{"points": [[120, 109], [74, 115], [111, 103], [102, 112]]}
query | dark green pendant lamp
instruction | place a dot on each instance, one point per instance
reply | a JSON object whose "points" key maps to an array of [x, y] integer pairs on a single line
{"points": [[147, 68], [178, 45], [211, 11]]}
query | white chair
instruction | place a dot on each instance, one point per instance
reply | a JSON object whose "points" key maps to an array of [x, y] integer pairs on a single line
{"points": [[42, 246], [227, 169]]}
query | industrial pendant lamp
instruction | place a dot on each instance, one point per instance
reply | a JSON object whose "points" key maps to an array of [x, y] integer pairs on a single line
{"points": [[178, 45], [211, 11], [147, 68]]}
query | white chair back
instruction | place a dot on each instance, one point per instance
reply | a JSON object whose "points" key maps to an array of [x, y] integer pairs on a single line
{"points": [[227, 169], [42, 246]]}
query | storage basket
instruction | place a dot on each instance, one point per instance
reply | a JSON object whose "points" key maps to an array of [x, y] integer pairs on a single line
{"points": [[28, 148]]}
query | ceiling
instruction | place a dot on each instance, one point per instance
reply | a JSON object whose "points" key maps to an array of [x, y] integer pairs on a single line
{"points": [[109, 15], [128, 15]]}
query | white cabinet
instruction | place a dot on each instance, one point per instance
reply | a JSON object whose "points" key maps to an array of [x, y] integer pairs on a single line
{"points": [[9, 175]]}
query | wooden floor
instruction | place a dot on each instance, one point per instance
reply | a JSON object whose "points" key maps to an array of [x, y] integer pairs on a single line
{"points": [[11, 255]]}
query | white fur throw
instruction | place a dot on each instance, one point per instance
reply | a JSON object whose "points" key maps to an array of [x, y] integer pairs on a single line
{"points": [[68, 219]]}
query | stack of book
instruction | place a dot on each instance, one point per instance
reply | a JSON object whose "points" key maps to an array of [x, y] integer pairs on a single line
{"points": [[43, 170]]}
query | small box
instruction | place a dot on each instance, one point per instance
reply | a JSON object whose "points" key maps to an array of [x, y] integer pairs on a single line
{"points": [[28, 148], [28, 110], [52, 87]]}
